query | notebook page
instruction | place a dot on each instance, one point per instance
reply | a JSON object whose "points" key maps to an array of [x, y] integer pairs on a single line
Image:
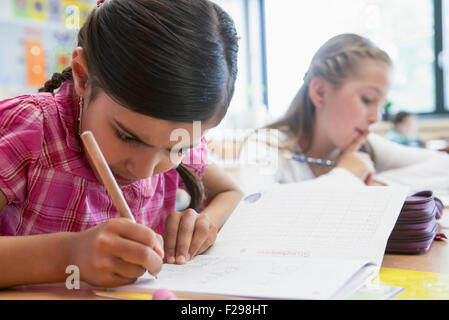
{"points": [[313, 220], [257, 277]]}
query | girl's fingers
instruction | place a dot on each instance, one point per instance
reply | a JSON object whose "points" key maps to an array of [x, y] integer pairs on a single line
{"points": [[126, 269], [206, 244], [200, 236], [171, 235], [185, 233], [136, 232], [357, 142], [114, 280], [134, 253], [113, 271]]}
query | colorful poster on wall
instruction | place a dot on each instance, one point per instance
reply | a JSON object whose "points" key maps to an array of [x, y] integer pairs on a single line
{"points": [[38, 9], [75, 13], [54, 10], [63, 59], [21, 8], [31, 9], [34, 63]]}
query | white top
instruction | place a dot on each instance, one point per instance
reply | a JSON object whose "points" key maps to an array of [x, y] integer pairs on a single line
{"points": [[262, 163]]}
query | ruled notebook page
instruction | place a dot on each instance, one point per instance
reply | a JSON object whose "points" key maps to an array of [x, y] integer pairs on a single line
{"points": [[259, 277], [313, 221]]}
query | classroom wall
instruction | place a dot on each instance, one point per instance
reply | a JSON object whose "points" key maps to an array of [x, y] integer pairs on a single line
{"points": [[38, 38]]}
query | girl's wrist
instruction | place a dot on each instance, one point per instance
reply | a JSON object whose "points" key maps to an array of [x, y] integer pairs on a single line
{"points": [[70, 251]]}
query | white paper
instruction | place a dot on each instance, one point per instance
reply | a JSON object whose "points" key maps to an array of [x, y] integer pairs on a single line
{"points": [[429, 175], [314, 221], [297, 241], [254, 277]]}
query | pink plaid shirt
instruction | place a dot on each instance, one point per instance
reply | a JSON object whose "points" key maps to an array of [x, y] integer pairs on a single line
{"points": [[48, 182]]}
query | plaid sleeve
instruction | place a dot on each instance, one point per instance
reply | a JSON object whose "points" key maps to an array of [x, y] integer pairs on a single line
{"points": [[196, 159], [21, 139]]}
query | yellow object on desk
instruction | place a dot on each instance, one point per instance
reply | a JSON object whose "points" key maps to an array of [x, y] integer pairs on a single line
{"points": [[419, 285], [124, 295]]}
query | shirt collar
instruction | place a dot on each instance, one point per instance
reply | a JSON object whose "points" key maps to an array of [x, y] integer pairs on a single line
{"points": [[67, 103]]}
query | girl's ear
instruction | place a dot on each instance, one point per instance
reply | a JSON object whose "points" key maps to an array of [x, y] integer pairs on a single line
{"points": [[79, 71], [317, 91]]}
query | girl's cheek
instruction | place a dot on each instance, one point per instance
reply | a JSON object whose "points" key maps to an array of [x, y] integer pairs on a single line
{"points": [[164, 166]]}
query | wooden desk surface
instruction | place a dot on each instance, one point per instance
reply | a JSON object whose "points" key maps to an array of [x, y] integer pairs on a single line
{"points": [[435, 260]]}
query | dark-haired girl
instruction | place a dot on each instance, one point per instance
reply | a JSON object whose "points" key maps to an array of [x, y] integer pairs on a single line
{"points": [[143, 72]]}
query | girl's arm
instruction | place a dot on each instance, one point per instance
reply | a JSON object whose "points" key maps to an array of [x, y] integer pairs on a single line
{"points": [[188, 233], [389, 155], [111, 254], [222, 195]]}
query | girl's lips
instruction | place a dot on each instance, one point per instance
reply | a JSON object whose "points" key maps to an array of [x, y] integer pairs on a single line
{"points": [[360, 131]]}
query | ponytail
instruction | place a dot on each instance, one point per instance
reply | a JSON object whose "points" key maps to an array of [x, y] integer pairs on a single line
{"points": [[57, 80], [194, 186]]}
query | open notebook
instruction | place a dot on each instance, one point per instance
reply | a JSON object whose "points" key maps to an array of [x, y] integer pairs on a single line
{"points": [[294, 241]]}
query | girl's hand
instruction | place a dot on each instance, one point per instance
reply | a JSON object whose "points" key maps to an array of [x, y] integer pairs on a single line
{"points": [[117, 252], [187, 234], [359, 163]]}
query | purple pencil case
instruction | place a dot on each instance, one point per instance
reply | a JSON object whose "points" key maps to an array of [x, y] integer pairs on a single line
{"points": [[416, 226]]}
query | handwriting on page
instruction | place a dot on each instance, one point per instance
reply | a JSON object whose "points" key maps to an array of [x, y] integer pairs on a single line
{"points": [[318, 222], [265, 276]]}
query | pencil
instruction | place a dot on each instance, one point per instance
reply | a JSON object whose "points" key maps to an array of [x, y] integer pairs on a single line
{"points": [[109, 182], [106, 175], [299, 158]]}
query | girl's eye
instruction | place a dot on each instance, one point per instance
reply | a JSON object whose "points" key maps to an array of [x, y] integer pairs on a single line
{"points": [[124, 137], [367, 100]]}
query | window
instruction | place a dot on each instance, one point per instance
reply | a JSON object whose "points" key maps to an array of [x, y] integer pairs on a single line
{"points": [[403, 28], [443, 57], [247, 106]]}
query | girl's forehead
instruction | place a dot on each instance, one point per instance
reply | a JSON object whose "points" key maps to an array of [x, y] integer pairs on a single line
{"points": [[147, 128], [371, 74], [373, 70]]}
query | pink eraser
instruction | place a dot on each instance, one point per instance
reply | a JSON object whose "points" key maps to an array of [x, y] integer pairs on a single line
{"points": [[164, 294]]}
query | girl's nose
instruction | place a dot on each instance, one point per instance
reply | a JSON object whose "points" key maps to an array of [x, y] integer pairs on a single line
{"points": [[142, 167], [374, 116]]}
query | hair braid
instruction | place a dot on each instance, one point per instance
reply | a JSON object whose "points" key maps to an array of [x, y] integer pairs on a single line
{"points": [[57, 80]]}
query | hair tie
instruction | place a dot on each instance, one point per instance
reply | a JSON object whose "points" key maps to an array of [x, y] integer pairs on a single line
{"points": [[99, 2]]}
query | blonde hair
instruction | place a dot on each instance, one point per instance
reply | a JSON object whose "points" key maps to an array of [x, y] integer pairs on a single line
{"points": [[335, 61]]}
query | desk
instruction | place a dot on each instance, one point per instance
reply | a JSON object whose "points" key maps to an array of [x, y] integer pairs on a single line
{"points": [[435, 260]]}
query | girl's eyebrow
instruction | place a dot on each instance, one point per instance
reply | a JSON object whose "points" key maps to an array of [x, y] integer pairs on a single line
{"points": [[135, 137], [376, 89]]}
